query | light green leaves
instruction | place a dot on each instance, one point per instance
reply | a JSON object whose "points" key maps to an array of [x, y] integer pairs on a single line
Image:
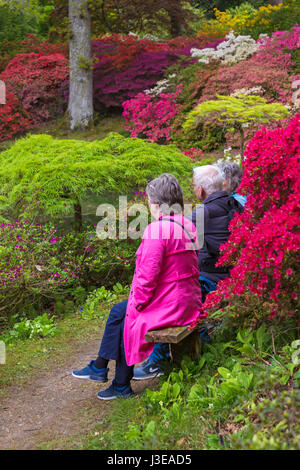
{"points": [[236, 110]]}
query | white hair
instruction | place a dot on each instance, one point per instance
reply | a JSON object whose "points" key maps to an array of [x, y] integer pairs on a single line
{"points": [[209, 178], [232, 173]]}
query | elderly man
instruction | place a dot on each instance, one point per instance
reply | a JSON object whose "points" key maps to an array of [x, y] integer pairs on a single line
{"points": [[219, 208]]}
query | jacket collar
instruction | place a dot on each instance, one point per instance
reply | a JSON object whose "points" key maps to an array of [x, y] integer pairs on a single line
{"points": [[216, 195]]}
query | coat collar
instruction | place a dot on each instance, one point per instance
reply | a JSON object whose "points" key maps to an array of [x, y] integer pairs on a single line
{"points": [[216, 195]]}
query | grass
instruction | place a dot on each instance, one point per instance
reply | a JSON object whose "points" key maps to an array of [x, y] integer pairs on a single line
{"points": [[59, 129]]}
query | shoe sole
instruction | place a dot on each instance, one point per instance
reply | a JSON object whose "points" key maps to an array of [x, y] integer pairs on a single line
{"points": [[153, 376], [84, 377], [113, 398]]}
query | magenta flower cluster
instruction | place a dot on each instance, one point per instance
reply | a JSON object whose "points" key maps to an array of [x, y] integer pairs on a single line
{"points": [[149, 117]]}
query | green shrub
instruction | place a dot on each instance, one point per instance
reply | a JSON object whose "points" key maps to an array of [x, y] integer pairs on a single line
{"points": [[14, 24], [43, 270], [92, 306], [243, 393], [65, 171], [40, 327]]}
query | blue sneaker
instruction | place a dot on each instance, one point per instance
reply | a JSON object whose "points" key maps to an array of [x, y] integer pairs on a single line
{"points": [[113, 392], [148, 370], [89, 371]]}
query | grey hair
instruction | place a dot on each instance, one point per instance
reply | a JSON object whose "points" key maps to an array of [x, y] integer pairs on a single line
{"points": [[165, 190], [232, 173], [209, 177]]}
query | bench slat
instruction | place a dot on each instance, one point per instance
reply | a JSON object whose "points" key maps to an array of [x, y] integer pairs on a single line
{"points": [[168, 335]]}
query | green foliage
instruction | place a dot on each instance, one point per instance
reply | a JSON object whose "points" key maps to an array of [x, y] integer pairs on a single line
{"points": [[205, 137], [243, 393], [164, 18], [18, 18], [93, 305], [295, 56], [66, 170], [275, 425], [14, 24], [236, 112], [40, 327], [210, 5], [42, 270]]}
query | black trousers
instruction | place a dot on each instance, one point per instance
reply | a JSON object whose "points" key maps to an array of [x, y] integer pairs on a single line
{"points": [[112, 344]]}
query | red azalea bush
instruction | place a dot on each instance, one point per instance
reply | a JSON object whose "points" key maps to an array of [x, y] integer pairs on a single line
{"points": [[122, 49], [13, 118], [125, 66], [151, 117], [263, 247], [32, 43], [37, 80], [194, 153]]}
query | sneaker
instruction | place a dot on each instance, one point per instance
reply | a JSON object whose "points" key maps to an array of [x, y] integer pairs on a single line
{"points": [[148, 370], [89, 371], [113, 392]]}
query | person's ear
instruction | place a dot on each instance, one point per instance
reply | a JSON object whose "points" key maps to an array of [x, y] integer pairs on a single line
{"points": [[200, 192]]}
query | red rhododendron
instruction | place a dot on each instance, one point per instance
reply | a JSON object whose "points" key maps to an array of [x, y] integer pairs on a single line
{"points": [[32, 43], [37, 81], [13, 118], [263, 247]]}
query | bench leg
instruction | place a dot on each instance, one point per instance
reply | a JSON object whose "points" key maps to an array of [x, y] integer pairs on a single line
{"points": [[189, 346]]}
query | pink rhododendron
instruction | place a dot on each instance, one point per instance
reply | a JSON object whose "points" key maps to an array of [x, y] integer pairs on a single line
{"points": [[151, 117]]}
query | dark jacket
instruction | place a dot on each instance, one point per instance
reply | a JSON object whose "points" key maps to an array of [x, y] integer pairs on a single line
{"points": [[219, 209]]}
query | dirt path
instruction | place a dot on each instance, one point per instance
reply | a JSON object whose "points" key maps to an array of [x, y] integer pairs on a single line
{"points": [[55, 406]]}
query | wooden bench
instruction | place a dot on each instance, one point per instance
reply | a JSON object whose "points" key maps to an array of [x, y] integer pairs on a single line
{"points": [[182, 341]]}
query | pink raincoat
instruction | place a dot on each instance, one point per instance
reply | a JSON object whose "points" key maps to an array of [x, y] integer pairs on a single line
{"points": [[165, 290]]}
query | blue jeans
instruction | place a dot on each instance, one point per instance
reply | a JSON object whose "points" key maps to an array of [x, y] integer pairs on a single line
{"points": [[112, 344]]}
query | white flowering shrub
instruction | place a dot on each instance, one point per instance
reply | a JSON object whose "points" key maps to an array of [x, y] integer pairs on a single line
{"points": [[161, 86], [233, 49], [257, 90], [229, 157]]}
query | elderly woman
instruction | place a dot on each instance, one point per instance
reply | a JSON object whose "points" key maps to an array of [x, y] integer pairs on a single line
{"points": [[165, 290], [232, 174]]}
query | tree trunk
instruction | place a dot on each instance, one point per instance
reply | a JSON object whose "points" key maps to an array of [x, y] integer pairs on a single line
{"points": [[175, 25], [81, 75], [77, 217]]}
